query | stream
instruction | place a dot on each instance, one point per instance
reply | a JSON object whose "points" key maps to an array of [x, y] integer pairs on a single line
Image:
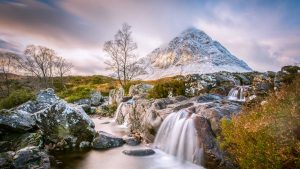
{"points": [[115, 159]]}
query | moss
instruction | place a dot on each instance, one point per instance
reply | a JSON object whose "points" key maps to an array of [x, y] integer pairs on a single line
{"points": [[266, 136]]}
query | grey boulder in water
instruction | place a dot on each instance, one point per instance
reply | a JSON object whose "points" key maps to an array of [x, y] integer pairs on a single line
{"points": [[105, 141], [66, 125]]}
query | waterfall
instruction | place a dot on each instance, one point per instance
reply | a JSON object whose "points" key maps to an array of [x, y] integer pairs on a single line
{"points": [[177, 136], [237, 93], [124, 110]]}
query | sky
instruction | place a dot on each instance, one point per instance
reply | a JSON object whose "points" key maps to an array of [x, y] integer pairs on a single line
{"points": [[263, 33]]}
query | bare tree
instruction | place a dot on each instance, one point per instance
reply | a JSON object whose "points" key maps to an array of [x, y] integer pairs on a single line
{"points": [[122, 55], [39, 61], [8, 65], [62, 68]]}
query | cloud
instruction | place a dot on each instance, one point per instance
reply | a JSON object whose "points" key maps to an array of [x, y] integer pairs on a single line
{"points": [[8, 46], [263, 33]]}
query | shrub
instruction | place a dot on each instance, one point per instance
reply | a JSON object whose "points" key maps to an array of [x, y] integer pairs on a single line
{"points": [[163, 88], [76, 93], [16, 98], [292, 73], [266, 136]]}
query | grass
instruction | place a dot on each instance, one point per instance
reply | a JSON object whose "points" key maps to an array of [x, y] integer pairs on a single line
{"points": [[16, 98], [266, 136], [167, 86]]}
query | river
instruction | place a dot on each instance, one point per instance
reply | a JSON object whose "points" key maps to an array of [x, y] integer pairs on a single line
{"points": [[115, 159]]}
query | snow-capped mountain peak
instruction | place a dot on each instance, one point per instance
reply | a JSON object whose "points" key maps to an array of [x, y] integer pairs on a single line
{"points": [[192, 52]]}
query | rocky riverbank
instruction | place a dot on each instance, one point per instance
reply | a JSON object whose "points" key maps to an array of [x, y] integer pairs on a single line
{"points": [[30, 131]]}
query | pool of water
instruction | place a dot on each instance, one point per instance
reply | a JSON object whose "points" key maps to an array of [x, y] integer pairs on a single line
{"points": [[115, 159]]}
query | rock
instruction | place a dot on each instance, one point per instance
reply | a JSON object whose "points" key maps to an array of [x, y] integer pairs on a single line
{"points": [[16, 120], [31, 157], [83, 102], [132, 141], [139, 152], [93, 110], [86, 108], [262, 83], [96, 98], [65, 125], [208, 98], [32, 106], [6, 160], [15, 141], [47, 96], [212, 154], [106, 140], [126, 98], [84, 145], [139, 89]]}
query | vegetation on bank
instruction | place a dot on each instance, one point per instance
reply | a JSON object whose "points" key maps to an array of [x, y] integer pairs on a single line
{"points": [[76, 87], [15, 98], [267, 135], [79, 87], [167, 87]]}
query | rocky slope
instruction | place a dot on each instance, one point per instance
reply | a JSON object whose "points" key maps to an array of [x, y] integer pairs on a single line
{"points": [[192, 52]]}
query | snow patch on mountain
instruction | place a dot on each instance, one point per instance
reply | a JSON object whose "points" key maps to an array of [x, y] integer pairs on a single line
{"points": [[193, 52]]}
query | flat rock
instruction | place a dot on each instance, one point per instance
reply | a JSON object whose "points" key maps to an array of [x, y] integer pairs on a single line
{"points": [[139, 152], [105, 141]]}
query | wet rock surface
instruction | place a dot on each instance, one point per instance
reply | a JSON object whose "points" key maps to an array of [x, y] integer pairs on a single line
{"points": [[105, 140], [139, 152], [16, 121], [31, 157], [65, 125]]}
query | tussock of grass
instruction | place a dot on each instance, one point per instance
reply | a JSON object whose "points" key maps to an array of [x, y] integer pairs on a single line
{"points": [[163, 87], [266, 136], [16, 98]]}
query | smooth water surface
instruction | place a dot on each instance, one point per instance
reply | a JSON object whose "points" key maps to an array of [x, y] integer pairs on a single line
{"points": [[115, 159]]}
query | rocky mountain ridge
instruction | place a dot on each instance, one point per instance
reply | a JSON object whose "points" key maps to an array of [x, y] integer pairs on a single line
{"points": [[192, 52]]}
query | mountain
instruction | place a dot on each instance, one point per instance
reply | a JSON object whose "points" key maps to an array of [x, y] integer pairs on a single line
{"points": [[192, 52]]}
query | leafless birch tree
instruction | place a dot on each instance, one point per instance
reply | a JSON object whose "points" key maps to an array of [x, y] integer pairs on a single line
{"points": [[122, 55], [62, 67], [39, 62], [8, 66]]}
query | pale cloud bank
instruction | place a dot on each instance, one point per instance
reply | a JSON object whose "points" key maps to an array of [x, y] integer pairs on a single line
{"points": [[265, 34]]}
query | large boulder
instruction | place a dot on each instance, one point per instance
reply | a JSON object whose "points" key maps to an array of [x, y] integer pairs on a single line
{"points": [[16, 120], [65, 125], [31, 157], [32, 106], [105, 141], [44, 99], [96, 98], [47, 96], [213, 155], [139, 89]]}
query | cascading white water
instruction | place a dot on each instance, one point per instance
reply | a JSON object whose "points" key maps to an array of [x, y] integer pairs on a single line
{"points": [[237, 93], [177, 136], [123, 110]]}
